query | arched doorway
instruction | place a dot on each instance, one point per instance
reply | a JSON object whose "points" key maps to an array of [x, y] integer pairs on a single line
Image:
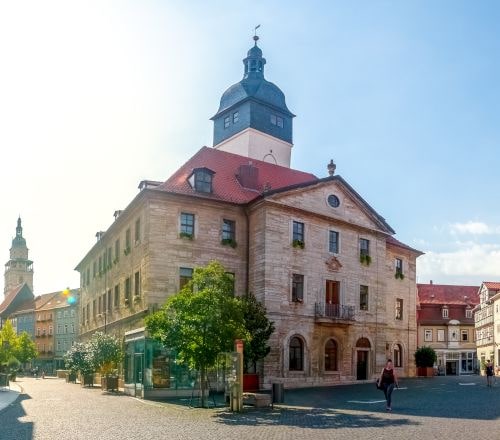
{"points": [[362, 351]]}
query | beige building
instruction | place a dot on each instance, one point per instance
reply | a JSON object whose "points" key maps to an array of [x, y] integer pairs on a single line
{"points": [[339, 287], [446, 323], [487, 323]]}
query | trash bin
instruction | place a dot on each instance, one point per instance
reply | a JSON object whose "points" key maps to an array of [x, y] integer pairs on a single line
{"points": [[278, 393]]}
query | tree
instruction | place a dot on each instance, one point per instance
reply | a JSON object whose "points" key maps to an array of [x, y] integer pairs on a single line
{"points": [[26, 348], [259, 329], [105, 352], [78, 359], [8, 344], [201, 321], [425, 357]]}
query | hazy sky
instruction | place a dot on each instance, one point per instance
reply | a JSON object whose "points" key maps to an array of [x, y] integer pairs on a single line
{"points": [[96, 96]]}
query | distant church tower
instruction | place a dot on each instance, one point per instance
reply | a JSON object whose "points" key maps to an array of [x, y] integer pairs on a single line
{"points": [[253, 119], [18, 269]]}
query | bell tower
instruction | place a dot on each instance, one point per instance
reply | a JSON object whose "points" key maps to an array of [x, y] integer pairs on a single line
{"points": [[253, 119], [19, 269]]}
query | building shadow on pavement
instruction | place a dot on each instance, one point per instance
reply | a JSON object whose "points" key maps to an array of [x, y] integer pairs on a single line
{"points": [[312, 418], [11, 427]]}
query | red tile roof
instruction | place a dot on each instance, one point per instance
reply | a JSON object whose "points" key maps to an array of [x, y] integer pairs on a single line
{"points": [[9, 297], [392, 241], [492, 285], [225, 185], [447, 294]]}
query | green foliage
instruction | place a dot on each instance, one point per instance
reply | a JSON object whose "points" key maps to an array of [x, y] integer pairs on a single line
{"points": [[298, 244], [425, 357], [186, 235], [399, 274], [26, 349], [259, 329], [201, 321], [365, 259], [105, 352], [79, 359], [8, 343], [229, 242]]}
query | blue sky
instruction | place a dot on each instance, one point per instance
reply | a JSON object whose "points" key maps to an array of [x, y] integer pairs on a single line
{"points": [[404, 96]]}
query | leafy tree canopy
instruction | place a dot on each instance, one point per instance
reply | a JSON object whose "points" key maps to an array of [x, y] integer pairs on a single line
{"points": [[259, 329], [26, 348], [202, 320], [425, 357], [8, 342], [105, 352]]}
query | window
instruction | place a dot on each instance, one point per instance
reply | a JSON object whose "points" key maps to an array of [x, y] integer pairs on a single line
{"points": [[464, 335], [117, 250], [298, 233], [331, 355], [65, 328], [137, 284], [428, 335], [201, 180], [445, 312], [88, 313], [100, 266], [277, 120], [117, 296], [399, 309], [187, 224], [59, 329], [228, 230], [364, 247], [227, 121], [297, 287], [441, 335], [398, 357], [363, 297], [185, 275], [137, 231], [127, 240], [296, 354], [399, 268], [128, 290], [236, 117], [468, 313], [100, 306], [72, 328], [110, 258], [333, 243], [110, 303], [88, 275], [94, 269], [72, 313]]}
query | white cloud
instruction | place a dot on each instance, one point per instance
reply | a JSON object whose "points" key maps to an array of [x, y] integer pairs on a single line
{"points": [[474, 228], [470, 263]]}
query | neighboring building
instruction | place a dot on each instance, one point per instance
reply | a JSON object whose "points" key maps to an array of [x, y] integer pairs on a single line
{"points": [[18, 284], [19, 269], [446, 323], [23, 319], [339, 288], [56, 327], [487, 323], [65, 325]]}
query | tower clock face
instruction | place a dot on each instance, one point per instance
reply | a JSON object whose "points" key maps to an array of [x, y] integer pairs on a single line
{"points": [[333, 201]]}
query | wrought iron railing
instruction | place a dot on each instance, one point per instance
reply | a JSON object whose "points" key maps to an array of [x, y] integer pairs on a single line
{"points": [[335, 311]]}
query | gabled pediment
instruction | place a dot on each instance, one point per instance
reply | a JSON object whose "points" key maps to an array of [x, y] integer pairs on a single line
{"points": [[332, 197]]}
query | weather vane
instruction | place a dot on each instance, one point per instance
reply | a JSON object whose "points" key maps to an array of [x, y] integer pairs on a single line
{"points": [[255, 36]]}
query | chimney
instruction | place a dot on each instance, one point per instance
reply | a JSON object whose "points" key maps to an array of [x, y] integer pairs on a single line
{"points": [[248, 176], [331, 168], [430, 282]]}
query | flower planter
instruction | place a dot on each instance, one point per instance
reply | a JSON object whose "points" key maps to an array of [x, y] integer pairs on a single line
{"points": [[425, 371], [251, 382], [88, 380], [109, 383], [71, 377]]}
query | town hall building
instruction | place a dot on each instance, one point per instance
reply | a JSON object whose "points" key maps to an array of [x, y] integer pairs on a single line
{"points": [[340, 289]]}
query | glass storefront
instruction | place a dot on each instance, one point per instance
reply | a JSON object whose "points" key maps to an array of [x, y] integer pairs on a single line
{"points": [[149, 366]]}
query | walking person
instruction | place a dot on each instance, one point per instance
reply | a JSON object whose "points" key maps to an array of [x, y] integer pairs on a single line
{"points": [[489, 373], [387, 381]]}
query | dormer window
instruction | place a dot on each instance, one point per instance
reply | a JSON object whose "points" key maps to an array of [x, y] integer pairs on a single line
{"points": [[445, 312], [201, 180]]}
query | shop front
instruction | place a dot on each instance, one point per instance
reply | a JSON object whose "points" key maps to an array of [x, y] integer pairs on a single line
{"points": [[151, 370]]}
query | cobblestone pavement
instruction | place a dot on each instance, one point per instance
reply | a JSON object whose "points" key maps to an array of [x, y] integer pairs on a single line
{"points": [[434, 408]]}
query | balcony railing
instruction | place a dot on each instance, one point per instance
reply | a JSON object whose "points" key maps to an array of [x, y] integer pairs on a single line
{"points": [[334, 312]]}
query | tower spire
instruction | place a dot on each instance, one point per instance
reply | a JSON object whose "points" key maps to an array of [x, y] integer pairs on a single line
{"points": [[254, 62]]}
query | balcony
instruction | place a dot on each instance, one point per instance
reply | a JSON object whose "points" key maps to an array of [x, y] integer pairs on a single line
{"points": [[337, 314]]}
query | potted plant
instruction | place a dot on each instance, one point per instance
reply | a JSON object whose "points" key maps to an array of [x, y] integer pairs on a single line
{"points": [[260, 329], [106, 353], [78, 359], [425, 357], [298, 244]]}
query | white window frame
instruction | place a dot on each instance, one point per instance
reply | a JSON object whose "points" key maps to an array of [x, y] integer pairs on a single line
{"points": [[428, 335]]}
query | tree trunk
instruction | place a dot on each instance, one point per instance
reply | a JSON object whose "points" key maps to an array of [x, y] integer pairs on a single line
{"points": [[203, 381]]}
